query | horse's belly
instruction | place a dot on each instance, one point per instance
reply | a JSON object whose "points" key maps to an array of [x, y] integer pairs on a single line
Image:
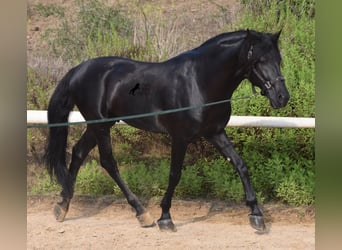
{"points": [[150, 124]]}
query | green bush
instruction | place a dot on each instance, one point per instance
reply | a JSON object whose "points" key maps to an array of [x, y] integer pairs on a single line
{"points": [[44, 185], [191, 183], [99, 30], [39, 91], [297, 187], [220, 180], [146, 181], [92, 179]]}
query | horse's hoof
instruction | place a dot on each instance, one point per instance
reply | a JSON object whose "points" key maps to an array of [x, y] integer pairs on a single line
{"points": [[146, 220], [60, 212], [167, 225], [257, 222]]}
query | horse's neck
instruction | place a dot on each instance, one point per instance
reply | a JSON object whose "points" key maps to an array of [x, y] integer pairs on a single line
{"points": [[223, 72]]}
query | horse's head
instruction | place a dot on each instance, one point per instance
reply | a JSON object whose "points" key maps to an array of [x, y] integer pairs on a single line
{"points": [[263, 60]]}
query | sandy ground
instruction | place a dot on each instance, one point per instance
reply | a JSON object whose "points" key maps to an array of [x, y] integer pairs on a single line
{"points": [[105, 223]]}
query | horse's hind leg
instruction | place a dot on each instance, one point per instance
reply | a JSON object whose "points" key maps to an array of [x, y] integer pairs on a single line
{"points": [[79, 153], [108, 162], [223, 144]]}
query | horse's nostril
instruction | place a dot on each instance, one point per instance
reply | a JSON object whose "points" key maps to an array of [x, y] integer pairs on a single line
{"points": [[283, 98], [280, 78]]}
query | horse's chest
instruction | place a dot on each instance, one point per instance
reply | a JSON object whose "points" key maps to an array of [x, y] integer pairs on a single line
{"points": [[215, 120]]}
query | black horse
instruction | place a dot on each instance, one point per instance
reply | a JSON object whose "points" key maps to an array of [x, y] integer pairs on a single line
{"points": [[112, 87]]}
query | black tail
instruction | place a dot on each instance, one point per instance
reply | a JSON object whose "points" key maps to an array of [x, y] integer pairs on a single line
{"points": [[58, 112]]}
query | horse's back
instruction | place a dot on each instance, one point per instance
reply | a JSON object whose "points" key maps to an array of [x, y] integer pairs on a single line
{"points": [[113, 86]]}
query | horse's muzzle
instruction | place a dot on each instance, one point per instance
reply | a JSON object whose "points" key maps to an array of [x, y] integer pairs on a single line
{"points": [[280, 99], [277, 94]]}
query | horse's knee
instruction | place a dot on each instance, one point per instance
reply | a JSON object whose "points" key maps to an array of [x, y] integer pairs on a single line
{"points": [[78, 154], [109, 164], [240, 166]]}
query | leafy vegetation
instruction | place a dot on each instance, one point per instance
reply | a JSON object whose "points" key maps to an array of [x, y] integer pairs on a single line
{"points": [[281, 161]]}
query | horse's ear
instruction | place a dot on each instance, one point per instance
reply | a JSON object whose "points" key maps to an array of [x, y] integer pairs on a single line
{"points": [[277, 35], [249, 36]]}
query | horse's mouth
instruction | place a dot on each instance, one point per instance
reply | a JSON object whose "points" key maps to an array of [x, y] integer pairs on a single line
{"points": [[277, 100], [278, 103]]}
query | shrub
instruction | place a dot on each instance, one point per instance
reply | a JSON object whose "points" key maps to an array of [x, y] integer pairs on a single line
{"points": [[98, 30], [297, 188], [44, 185], [92, 179]]}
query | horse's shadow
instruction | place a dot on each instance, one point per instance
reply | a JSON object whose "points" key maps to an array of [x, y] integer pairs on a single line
{"points": [[219, 209], [87, 206]]}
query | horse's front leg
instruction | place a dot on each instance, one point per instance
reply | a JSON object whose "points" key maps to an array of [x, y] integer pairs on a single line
{"points": [[223, 144], [177, 157]]}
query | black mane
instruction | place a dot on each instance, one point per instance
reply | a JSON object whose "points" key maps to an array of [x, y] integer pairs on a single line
{"points": [[227, 36]]}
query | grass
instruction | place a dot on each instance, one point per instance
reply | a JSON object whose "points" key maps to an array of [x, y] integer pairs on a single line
{"points": [[280, 171], [281, 161], [46, 10], [277, 179]]}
